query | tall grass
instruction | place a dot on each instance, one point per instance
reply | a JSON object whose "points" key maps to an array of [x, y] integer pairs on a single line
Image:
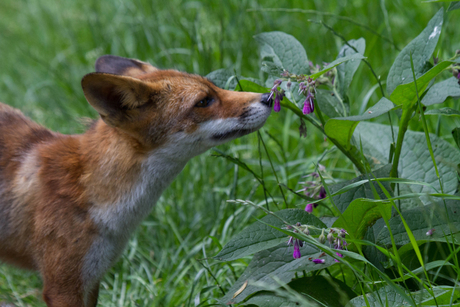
{"points": [[46, 46]]}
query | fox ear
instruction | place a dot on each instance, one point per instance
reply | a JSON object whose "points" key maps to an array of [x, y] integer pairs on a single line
{"points": [[113, 96], [112, 64]]}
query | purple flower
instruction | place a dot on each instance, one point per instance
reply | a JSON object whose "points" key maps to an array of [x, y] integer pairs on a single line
{"points": [[309, 208], [339, 255], [318, 261], [308, 104], [277, 104], [322, 193], [458, 77], [429, 233], [296, 253]]}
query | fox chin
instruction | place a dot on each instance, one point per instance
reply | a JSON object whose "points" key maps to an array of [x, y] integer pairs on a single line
{"points": [[68, 203]]}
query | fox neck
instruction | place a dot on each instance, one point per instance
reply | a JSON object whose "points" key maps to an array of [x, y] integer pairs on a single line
{"points": [[126, 180]]}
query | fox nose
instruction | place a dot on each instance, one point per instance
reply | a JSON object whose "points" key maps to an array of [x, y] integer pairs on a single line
{"points": [[267, 99]]}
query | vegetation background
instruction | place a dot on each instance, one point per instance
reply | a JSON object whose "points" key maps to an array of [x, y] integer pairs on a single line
{"points": [[46, 46]]}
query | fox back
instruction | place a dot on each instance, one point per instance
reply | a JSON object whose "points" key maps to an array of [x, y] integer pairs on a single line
{"points": [[68, 203]]}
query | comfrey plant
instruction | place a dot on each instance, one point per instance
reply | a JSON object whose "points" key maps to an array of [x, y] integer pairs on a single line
{"points": [[389, 236]]}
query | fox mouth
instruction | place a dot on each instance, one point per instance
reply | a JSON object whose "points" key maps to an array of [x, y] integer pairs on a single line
{"points": [[232, 134]]}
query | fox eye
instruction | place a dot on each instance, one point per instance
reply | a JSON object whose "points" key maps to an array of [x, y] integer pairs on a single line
{"points": [[204, 102]]}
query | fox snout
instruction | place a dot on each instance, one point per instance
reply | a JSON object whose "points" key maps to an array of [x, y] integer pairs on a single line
{"points": [[157, 106]]}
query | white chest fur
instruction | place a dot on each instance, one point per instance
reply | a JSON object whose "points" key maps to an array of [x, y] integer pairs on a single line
{"points": [[117, 221]]}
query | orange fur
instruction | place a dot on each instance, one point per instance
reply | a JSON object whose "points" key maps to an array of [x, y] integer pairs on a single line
{"points": [[65, 199]]}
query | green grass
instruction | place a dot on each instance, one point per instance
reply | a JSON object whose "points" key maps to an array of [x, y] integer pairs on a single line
{"points": [[46, 46]]}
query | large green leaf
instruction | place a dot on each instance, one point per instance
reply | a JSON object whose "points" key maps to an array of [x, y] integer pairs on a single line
{"points": [[406, 95], [223, 78], [324, 289], [454, 6], [363, 191], [250, 86], [444, 112], [285, 50], [421, 48], [260, 235], [415, 161], [439, 92], [362, 214], [346, 71], [328, 103], [341, 129], [387, 296], [276, 261], [422, 219]]}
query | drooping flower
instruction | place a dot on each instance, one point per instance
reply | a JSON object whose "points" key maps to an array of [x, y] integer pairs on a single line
{"points": [[429, 233], [339, 255], [308, 104], [319, 261], [322, 193], [277, 104], [296, 253], [309, 208]]}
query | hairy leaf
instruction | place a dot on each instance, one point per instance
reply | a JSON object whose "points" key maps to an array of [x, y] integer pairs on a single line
{"points": [[324, 289], [260, 236], [346, 71], [286, 51], [415, 161], [363, 191], [361, 214], [439, 92], [421, 48], [276, 261]]}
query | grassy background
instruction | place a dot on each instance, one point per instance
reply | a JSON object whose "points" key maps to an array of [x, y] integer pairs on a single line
{"points": [[46, 46]]}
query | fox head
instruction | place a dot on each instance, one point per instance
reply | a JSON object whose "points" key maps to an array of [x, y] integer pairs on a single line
{"points": [[157, 107]]}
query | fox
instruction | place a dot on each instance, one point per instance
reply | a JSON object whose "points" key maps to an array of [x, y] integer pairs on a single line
{"points": [[69, 203]]}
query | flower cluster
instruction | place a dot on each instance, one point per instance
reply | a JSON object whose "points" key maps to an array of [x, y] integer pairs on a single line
{"points": [[307, 87], [314, 188], [335, 237], [279, 95]]}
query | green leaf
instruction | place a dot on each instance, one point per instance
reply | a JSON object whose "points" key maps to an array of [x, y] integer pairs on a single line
{"points": [[422, 219], [250, 86], [352, 58], [454, 6], [439, 92], [346, 71], [223, 78], [406, 95], [415, 161], [324, 289], [386, 296], [456, 135], [389, 297], [328, 103], [276, 261], [421, 48], [363, 191], [360, 215], [260, 236], [285, 50], [341, 129], [444, 112]]}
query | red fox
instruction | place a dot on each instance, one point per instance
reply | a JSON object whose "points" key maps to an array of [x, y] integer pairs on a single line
{"points": [[68, 203]]}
